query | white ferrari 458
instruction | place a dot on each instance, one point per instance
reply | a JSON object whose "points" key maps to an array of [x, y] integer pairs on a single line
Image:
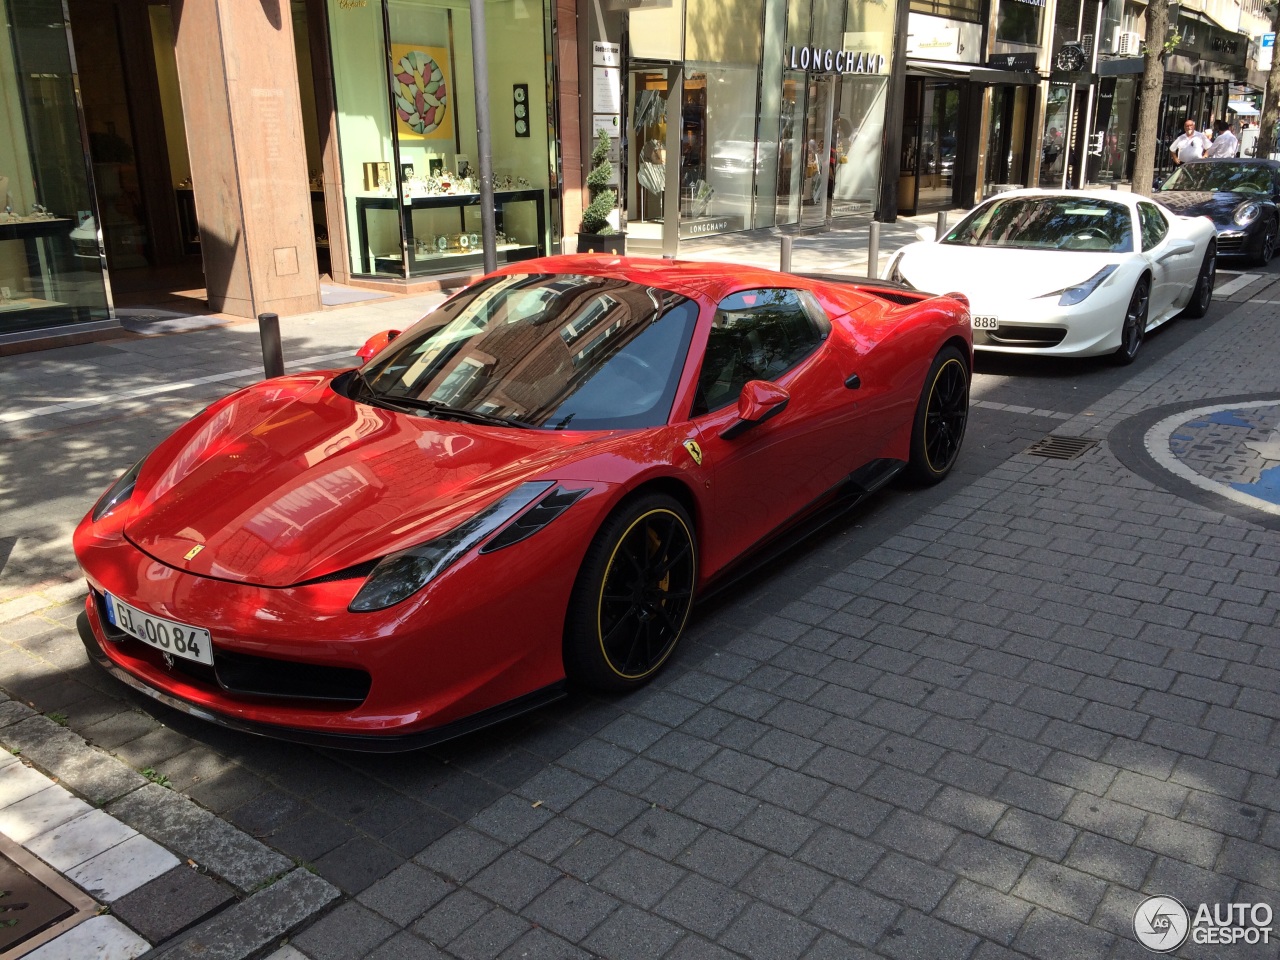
{"points": [[1067, 273]]}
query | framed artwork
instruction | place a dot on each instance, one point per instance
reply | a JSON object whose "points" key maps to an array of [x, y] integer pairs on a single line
{"points": [[423, 90], [434, 166], [520, 108]]}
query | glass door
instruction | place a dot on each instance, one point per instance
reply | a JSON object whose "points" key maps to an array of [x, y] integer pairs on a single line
{"points": [[818, 182], [645, 195], [939, 139], [1053, 147]]}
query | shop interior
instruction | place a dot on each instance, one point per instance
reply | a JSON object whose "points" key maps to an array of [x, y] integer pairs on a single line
{"points": [[409, 155]]}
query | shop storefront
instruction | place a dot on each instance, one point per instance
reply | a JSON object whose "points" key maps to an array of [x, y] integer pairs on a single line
{"points": [[409, 160], [1090, 135], [733, 116], [967, 117], [101, 191], [51, 263]]}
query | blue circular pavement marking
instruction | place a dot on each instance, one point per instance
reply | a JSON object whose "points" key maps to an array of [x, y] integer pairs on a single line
{"points": [[1224, 454]]}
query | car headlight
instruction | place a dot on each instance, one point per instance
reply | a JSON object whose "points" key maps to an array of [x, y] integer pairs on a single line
{"points": [[1247, 212], [403, 574], [119, 492], [1073, 295], [894, 272]]}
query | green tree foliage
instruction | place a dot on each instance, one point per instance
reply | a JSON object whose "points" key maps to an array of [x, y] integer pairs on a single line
{"points": [[595, 217]]}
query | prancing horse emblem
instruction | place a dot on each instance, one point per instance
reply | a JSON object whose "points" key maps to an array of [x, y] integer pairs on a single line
{"points": [[191, 554], [695, 451]]}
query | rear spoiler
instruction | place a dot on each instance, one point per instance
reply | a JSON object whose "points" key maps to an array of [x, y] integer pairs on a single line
{"points": [[890, 290]]}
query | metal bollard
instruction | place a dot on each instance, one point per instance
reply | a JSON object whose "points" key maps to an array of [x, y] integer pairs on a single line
{"points": [[272, 355], [784, 260], [942, 223], [873, 250]]}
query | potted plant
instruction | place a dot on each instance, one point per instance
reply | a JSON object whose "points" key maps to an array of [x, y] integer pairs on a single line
{"points": [[596, 235]]}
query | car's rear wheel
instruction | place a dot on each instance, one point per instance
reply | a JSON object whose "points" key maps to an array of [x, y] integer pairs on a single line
{"points": [[941, 416], [1267, 249], [1202, 295], [1134, 327], [633, 595]]}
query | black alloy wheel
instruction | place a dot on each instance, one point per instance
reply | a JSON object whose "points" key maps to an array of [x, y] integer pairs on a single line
{"points": [[633, 595], [941, 416], [1267, 249], [1135, 323], [1202, 295]]}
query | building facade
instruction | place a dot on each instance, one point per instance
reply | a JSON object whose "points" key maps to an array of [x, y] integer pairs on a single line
{"points": [[244, 149]]}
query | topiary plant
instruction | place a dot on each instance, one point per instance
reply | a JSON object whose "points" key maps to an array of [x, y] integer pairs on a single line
{"points": [[595, 217]]}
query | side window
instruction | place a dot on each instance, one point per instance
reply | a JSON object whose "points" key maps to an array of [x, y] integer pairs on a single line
{"points": [[757, 335], [1154, 226]]}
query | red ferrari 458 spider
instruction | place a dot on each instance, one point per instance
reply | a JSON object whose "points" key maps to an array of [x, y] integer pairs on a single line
{"points": [[530, 485]]}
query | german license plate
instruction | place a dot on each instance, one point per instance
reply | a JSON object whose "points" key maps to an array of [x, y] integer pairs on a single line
{"points": [[167, 636], [986, 323]]}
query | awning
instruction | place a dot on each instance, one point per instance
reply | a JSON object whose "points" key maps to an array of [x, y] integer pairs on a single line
{"points": [[1242, 107], [971, 71]]}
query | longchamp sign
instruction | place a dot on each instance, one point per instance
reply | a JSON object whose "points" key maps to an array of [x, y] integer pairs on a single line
{"points": [[829, 60]]}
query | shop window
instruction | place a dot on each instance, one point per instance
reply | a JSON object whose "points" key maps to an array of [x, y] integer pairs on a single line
{"points": [[50, 266], [407, 129], [969, 10], [1018, 21], [718, 149]]}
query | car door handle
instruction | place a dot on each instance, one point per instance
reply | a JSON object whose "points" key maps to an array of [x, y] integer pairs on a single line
{"points": [[853, 381]]}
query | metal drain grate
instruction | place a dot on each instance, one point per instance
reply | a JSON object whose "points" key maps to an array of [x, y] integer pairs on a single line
{"points": [[36, 904], [1061, 448]]}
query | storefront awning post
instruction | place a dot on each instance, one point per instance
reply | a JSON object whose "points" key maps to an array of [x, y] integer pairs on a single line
{"points": [[480, 56]]}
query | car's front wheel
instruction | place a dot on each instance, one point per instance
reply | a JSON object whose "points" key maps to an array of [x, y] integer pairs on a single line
{"points": [[941, 415], [1202, 295], [632, 596], [1267, 248], [1134, 327]]}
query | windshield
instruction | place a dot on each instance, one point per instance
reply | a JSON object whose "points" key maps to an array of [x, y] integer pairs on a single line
{"points": [[1220, 177], [1048, 223], [555, 351]]}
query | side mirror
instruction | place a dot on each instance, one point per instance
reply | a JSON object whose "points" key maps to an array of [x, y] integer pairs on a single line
{"points": [[759, 401], [374, 345], [926, 234]]}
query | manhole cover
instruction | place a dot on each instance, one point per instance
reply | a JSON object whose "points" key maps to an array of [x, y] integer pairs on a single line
{"points": [[35, 903], [27, 906], [1061, 448]]}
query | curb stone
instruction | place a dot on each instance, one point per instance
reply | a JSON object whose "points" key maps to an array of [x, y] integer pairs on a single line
{"points": [[279, 896]]}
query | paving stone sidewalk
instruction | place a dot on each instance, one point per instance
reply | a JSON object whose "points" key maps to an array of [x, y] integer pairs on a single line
{"points": [[1053, 691], [164, 872]]}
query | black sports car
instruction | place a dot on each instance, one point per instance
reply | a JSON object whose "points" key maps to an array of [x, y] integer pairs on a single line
{"points": [[1239, 196]]}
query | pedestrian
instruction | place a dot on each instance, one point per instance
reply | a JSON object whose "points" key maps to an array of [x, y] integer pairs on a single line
{"points": [[1191, 145], [1224, 143]]}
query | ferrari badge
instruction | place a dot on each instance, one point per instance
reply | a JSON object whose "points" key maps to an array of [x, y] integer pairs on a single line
{"points": [[191, 554], [695, 451]]}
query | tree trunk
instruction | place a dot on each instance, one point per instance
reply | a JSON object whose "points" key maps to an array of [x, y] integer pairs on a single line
{"points": [[1144, 161], [1271, 102]]}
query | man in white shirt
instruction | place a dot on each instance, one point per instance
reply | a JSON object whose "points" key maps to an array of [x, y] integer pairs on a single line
{"points": [[1191, 145], [1224, 143]]}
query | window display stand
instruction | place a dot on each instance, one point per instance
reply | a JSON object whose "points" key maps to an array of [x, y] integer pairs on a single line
{"points": [[449, 259], [40, 239]]}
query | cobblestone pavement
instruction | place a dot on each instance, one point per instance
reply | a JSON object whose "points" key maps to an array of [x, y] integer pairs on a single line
{"points": [[979, 721]]}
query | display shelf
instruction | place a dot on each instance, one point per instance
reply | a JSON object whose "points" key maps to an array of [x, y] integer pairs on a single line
{"points": [[449, 260]]}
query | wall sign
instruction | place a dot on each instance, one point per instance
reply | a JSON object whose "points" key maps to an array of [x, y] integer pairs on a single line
{"points": [[828, 60], [605, 54], [1012, 61]]}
